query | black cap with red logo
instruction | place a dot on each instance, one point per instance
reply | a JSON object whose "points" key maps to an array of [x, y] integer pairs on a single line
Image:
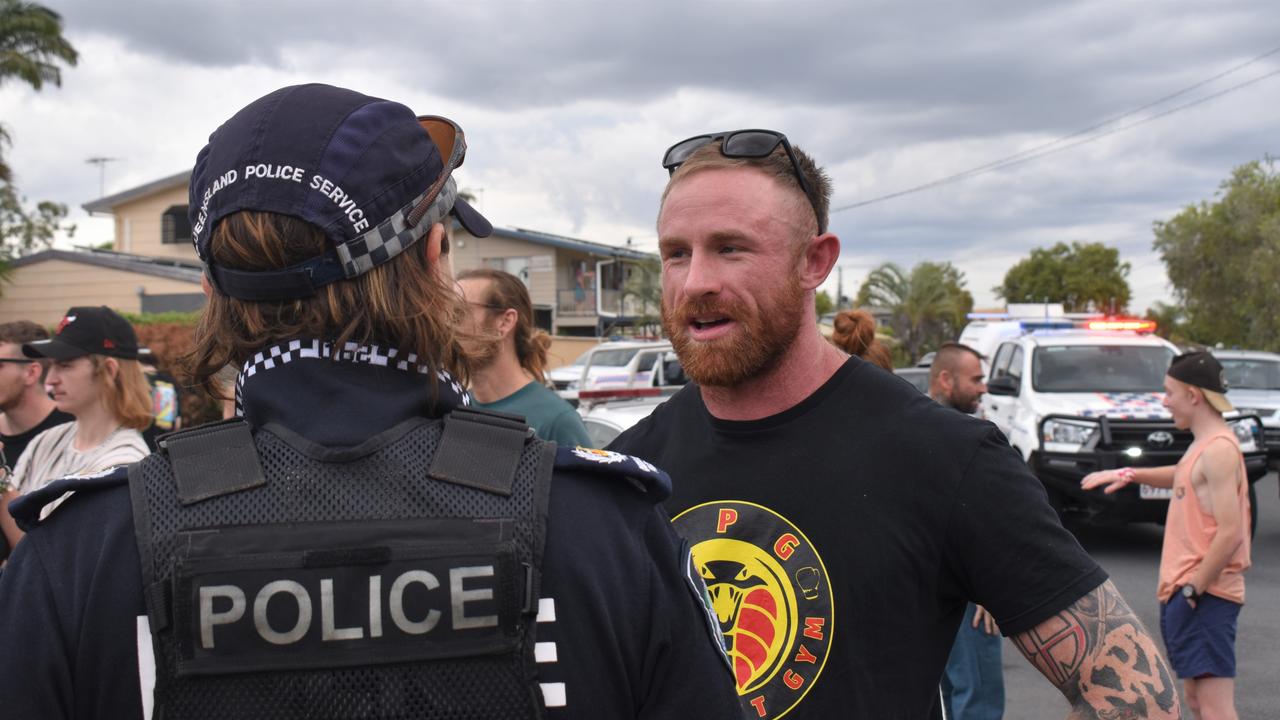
{"points": [[87, 331]]}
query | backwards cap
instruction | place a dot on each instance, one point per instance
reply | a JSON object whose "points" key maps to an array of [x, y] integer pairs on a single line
{"points": [[366, 171], [1202, 370]]}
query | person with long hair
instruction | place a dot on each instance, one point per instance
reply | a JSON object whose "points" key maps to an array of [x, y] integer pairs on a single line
{"points": [[361, 540], [855, 333], [508, 372], [94, 376]]}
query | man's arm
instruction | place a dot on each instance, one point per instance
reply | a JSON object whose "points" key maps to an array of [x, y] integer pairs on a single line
{"points": [[1219, 467], [1118, 478], [1103, 660]]}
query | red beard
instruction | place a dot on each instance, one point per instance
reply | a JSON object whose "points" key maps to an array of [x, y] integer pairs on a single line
{"points": [[754, 347]]}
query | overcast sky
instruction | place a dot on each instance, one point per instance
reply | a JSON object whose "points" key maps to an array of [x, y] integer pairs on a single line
{"points": [[568, 106]]}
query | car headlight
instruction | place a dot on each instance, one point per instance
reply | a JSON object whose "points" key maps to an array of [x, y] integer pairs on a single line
{"points": [[1247, 431], [1069, 435]]}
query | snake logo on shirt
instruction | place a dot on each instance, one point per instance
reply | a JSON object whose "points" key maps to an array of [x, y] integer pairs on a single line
{"points": [[770, 593]]}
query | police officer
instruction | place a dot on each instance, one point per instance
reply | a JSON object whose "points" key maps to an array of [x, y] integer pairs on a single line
{"points": [[360, 543]]}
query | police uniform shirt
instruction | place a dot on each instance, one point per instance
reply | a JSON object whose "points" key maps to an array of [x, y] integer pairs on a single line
{"points": [[620, 633]]}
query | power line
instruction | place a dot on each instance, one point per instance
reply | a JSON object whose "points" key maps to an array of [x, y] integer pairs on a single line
{"points": [[1049, 148]]}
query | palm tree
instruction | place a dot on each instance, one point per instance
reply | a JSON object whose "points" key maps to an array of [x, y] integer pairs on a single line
{"points": [[929, 303], [31, 44]]}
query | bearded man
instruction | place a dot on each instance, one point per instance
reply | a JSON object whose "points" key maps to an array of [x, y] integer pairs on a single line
{"points": [[840, 519]]}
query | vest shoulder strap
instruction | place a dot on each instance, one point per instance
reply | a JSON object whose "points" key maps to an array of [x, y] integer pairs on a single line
{"points": [[213, 460], [480, 449]]}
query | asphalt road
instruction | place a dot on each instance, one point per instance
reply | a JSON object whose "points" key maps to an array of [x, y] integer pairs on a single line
{"points": [[1131, 554]]}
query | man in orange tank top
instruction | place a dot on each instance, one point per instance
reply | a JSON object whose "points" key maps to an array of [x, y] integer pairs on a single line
{"points": [[1206, 540]]}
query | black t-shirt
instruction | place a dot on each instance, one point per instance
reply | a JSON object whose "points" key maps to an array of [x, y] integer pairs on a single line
{"points": [[841, 538], [15, 445]]}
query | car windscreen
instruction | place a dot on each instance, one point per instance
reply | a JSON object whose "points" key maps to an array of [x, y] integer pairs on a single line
{"points": [[613, 358], [1245, 374], [1099, 368]]}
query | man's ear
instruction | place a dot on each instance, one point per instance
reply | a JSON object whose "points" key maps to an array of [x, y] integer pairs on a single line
{"points": [[820, 256], [31, 375], [507, 321]]}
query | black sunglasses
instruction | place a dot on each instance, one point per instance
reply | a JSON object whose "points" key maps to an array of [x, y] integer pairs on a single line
{"points": [[741, 144], [24, 361]]}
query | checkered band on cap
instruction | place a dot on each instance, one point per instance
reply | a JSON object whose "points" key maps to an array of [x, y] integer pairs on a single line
{"points": [[394, 235]]}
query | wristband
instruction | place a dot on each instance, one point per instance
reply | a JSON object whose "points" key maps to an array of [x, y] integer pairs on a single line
{"points": [[1127, 474]]}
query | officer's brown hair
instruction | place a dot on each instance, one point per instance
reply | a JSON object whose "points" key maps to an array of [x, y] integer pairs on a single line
{"points": [[404, 302], [505, 290]]}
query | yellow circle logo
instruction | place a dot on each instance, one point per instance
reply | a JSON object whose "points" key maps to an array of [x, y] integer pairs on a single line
{"points": [[770, 594]]}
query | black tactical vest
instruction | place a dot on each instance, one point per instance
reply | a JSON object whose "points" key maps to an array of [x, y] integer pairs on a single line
{"points": [[395, 579]]}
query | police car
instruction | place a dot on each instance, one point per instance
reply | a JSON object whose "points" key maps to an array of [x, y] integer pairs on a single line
{"points": [[1074, 396], [609, 365], [608, 412], [1253, 387]]}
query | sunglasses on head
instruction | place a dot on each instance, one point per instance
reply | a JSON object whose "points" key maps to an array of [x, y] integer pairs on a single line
{"points": [[452, 144], [741, 144]]}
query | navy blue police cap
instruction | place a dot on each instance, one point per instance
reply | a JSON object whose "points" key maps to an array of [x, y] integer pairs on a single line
{"points": [[372, 175]]}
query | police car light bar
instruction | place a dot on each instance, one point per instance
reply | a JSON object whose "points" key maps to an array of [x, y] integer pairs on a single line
{"points": [[1142, 326], [619, 393]]}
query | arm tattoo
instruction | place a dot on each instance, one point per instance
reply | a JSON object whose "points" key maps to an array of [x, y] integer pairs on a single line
{"points": [[1101, 657]]}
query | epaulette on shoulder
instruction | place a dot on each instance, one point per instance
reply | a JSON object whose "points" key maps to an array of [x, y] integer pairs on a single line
{"points": [[655, 483], [26, 509]]}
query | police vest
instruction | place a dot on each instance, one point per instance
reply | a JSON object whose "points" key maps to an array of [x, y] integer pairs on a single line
{"points": [[394, 579]]}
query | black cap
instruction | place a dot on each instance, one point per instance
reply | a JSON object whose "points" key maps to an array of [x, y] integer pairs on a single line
{"points": [[1202, 370], [87, 331], [365, 170]]}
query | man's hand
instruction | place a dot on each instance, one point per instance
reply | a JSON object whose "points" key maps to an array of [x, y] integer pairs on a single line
{"points": [[982, 619], [1103, 660], [1112, 479]]}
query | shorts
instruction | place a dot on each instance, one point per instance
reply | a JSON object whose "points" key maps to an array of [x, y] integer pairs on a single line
{"points": [[1201, 641]]}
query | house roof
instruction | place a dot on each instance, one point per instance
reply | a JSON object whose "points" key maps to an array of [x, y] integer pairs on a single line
{"points": [[106, 204], [159, 267], [568, 243]]}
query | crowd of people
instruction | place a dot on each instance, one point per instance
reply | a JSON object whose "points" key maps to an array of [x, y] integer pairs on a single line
{"points": [[401, 520]]}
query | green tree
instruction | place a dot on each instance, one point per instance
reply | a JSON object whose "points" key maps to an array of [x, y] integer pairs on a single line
{"points": [[31, 44], [929, 303], [823, 303], [1223, 260], [26, 230], [642, 295], [1084, 277]]}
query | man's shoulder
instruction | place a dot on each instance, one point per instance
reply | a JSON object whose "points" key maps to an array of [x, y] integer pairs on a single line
{"points": [[622, 474]]}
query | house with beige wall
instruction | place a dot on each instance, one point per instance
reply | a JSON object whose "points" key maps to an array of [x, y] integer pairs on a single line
{"points": [[577, 286]]}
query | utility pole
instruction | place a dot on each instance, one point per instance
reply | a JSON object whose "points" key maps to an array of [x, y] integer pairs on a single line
{"points": [[101, 162]]}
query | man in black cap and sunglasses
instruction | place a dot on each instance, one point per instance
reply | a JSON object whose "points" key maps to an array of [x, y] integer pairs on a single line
{"points": [[361, 543], [840, 519]]}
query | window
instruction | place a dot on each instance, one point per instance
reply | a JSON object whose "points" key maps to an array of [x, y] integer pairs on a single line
{"points": [[1000, 366], [175, 227], [1099, 368], [518, 266], [1015, 364]]}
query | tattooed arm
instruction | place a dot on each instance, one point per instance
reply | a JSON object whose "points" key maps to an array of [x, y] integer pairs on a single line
{"points": [[1101, 657]]}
